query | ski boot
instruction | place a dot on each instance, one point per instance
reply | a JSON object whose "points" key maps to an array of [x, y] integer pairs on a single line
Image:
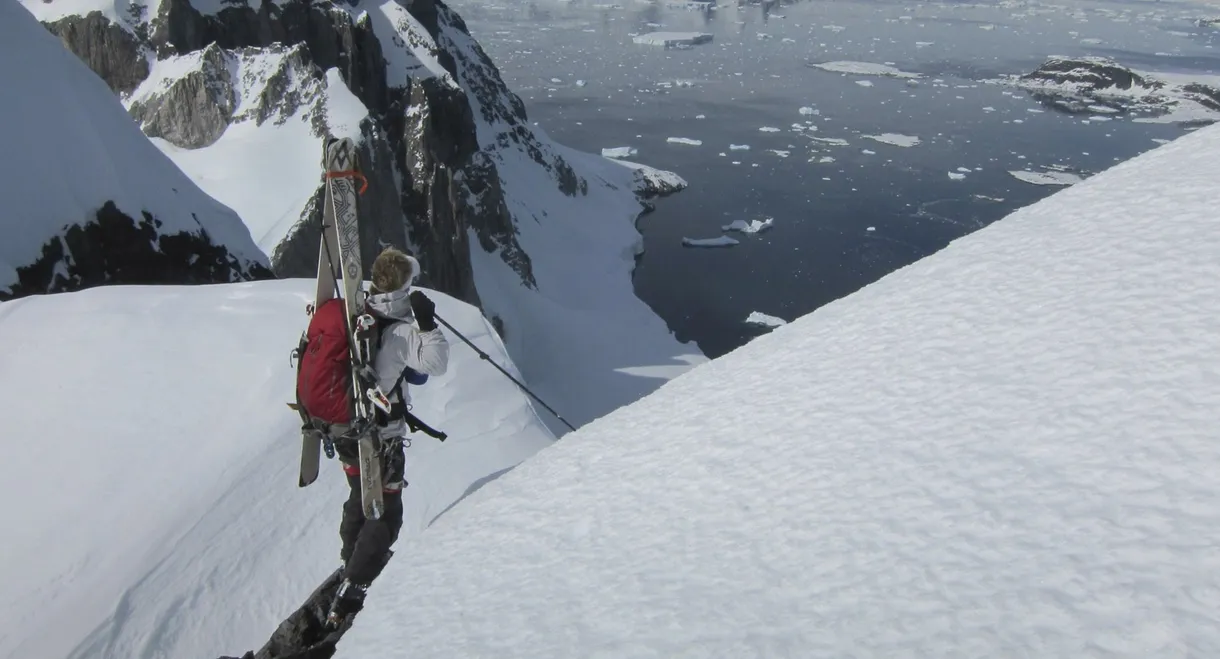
{"points": [[348, 600]]}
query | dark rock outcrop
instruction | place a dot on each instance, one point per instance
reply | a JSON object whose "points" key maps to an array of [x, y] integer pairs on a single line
{"points": [[196, 109], [1087, 85], [1089, 75], [1206, 95], [303, 634], [116, 249], [113, 53]]}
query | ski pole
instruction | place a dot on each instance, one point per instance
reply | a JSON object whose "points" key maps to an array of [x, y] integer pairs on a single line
{"points": [[508, 375]]}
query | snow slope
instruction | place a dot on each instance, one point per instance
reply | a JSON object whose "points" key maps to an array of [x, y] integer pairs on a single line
{"points": [[1007, 449], [168, 522], [79, 149]]}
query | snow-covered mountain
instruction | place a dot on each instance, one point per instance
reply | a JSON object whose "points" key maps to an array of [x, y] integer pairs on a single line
{"points": [[90, 201], [541, 237], [151, 466], [1009, 448]]}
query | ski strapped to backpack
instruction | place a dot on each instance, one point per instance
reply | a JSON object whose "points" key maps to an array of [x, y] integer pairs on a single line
{"points": [[324, 391], [337, 394]]}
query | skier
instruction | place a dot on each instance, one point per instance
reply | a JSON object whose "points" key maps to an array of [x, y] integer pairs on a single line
{"points": [[407, 355]]}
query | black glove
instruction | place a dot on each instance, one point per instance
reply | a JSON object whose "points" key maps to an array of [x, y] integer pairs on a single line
{"points": [[424, 310]]}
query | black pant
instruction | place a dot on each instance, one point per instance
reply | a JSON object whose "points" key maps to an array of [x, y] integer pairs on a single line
{"points": [[366, 542]]}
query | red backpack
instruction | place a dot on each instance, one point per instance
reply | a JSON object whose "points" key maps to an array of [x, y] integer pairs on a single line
{"points": [[324, 373]]}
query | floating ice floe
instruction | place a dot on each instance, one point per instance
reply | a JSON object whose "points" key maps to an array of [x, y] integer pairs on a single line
{"points": [[620, 152], [672, 39], [865, 83], [768, 129], [831, 141], [739, 147], [684, 140], [863, 68], [1046, 178], [753, 226], [760, 318], [956, 176], [721, 241], [895, 139]]}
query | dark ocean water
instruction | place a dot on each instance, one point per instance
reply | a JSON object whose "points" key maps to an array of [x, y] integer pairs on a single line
{"points": [[842, 224]]}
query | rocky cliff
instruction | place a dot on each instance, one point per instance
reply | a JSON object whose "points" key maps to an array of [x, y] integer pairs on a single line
{"points": [[437, 113]]}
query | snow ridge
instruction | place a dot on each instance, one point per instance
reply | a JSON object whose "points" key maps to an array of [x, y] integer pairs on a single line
{"points": [[1007, 448]]}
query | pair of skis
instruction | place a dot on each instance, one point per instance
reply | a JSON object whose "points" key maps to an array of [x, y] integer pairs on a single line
{"points": [[340, 274]]}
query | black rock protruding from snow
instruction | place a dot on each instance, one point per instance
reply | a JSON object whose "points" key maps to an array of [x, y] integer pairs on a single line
{"points": [[1092, 85], [303, 634], [117, 249], [1088, 74], [89, 201]]}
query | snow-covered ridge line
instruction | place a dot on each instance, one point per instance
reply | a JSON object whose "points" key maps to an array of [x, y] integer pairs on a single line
{"points": [[1054, 375], [94, 202]]}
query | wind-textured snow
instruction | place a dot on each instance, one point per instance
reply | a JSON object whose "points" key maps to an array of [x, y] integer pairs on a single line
{"points": [[73, 147], [1006, 449], [864, 68], [168, 522]]}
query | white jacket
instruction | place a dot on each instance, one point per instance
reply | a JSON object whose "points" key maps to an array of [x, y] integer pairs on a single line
{"points": [[403, 345]]}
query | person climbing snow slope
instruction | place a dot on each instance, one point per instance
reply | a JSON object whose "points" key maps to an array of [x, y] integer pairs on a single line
{"points": [[406, 356]]}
